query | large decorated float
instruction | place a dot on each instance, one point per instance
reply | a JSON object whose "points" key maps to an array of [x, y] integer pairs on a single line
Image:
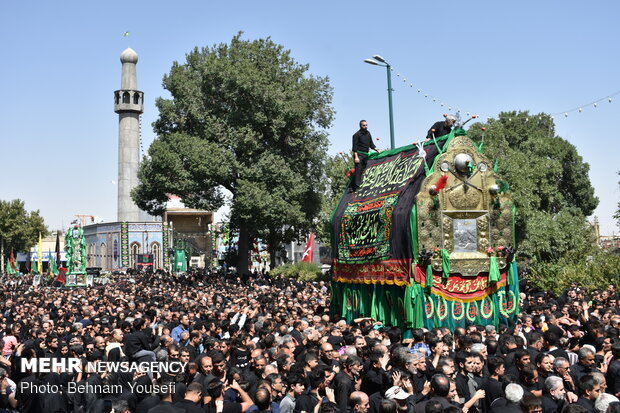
{"points": [[427, 240], [75, 244]]}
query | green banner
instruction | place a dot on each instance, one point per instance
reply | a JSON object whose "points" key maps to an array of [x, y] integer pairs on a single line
{"points": [[180, 261]]}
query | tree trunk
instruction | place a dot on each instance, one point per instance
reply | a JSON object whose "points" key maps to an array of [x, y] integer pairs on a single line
{"points": [[272, 257], [243, 249], [272, 247]]}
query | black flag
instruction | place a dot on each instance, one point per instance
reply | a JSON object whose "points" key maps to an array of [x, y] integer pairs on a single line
{"points": [[58, 249]]}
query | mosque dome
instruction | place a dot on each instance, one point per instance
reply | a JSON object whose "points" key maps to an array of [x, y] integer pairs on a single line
{"points": [[129, 56]]}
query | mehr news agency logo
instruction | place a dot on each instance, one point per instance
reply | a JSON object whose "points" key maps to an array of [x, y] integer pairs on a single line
{"points": [[76, 366]]}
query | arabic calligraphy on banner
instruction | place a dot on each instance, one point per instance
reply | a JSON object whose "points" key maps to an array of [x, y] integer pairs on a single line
{"points": [[366, 224], [365, 229], [389, 176], [457, 287], [382, 272]]}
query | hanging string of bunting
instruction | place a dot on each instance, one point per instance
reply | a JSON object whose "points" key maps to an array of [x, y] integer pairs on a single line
{"points": [[594, 104], [440, 101], [457, 109]]}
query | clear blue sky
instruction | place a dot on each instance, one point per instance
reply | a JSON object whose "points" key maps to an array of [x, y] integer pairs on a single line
{"points": [[61, 64]]}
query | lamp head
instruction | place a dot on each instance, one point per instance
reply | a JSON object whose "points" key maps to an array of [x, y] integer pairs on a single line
{"points": [[379, 58], [371, 62]]}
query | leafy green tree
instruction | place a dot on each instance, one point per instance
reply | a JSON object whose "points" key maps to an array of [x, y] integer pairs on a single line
{"points": [[245, 117], [301, 271], [549, 184], [591, 272], [19, 229], [337, 180]]}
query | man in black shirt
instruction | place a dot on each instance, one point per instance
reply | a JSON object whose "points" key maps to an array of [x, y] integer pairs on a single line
{"points": [[442, 127], [613, 372], [554, 395], [193, 397], [136, 342], [344, 382], [589, 390], [362, 143], [307, 402]]}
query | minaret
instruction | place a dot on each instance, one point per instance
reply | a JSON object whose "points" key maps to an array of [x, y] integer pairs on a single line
{"points": [[129, 104]]}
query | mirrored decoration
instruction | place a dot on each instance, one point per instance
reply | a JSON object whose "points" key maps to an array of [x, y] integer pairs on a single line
{"points": [[465, 235], [445, 166], [482, 166], [461, 162]]}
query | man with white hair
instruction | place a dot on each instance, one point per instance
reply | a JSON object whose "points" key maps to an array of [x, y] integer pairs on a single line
{"points": [[603, 401], [479, 348], [491, 332], [441, 128], [554, 395], [510, 402]]}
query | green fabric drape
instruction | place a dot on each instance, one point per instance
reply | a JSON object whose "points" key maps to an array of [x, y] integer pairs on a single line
{"points": [[509, 275], [409, 308], [494, 274], [413, 225], [52, 264], [429, 276], [346, 292], [417, 295], [405, 306], [445, 262]]}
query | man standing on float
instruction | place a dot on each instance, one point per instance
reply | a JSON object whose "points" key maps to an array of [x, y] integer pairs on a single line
{"points": [[362, 143]]}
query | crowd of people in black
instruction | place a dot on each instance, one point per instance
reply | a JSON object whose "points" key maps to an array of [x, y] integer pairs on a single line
{"points": [[265, 345]]}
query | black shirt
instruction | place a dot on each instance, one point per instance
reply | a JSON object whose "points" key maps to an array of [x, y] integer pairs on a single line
{"points": [[421, 407], [135, 342], [344, 385], [441, 129], [613, 377], [587, 403], [229, 407], [362, 141], [493, 390], [306, 403], [189, 406], [165, 407], [551, 405]]}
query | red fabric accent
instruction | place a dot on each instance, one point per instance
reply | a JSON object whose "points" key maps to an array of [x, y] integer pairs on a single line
{"points": [[12, 261], [441, 182], [380, 272], [460, 288], [419, 275], [62, 275], [309, 253]]}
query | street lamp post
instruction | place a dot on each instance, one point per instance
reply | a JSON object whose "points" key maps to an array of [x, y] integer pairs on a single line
{"points": [[377, 62]]}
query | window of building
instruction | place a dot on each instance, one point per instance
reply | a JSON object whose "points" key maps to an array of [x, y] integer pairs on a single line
{"points": [[135, 250], [103, 255], [156, 251]]}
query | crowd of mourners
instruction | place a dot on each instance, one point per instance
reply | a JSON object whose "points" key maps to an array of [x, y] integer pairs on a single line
{"points": [[264, 345]]}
